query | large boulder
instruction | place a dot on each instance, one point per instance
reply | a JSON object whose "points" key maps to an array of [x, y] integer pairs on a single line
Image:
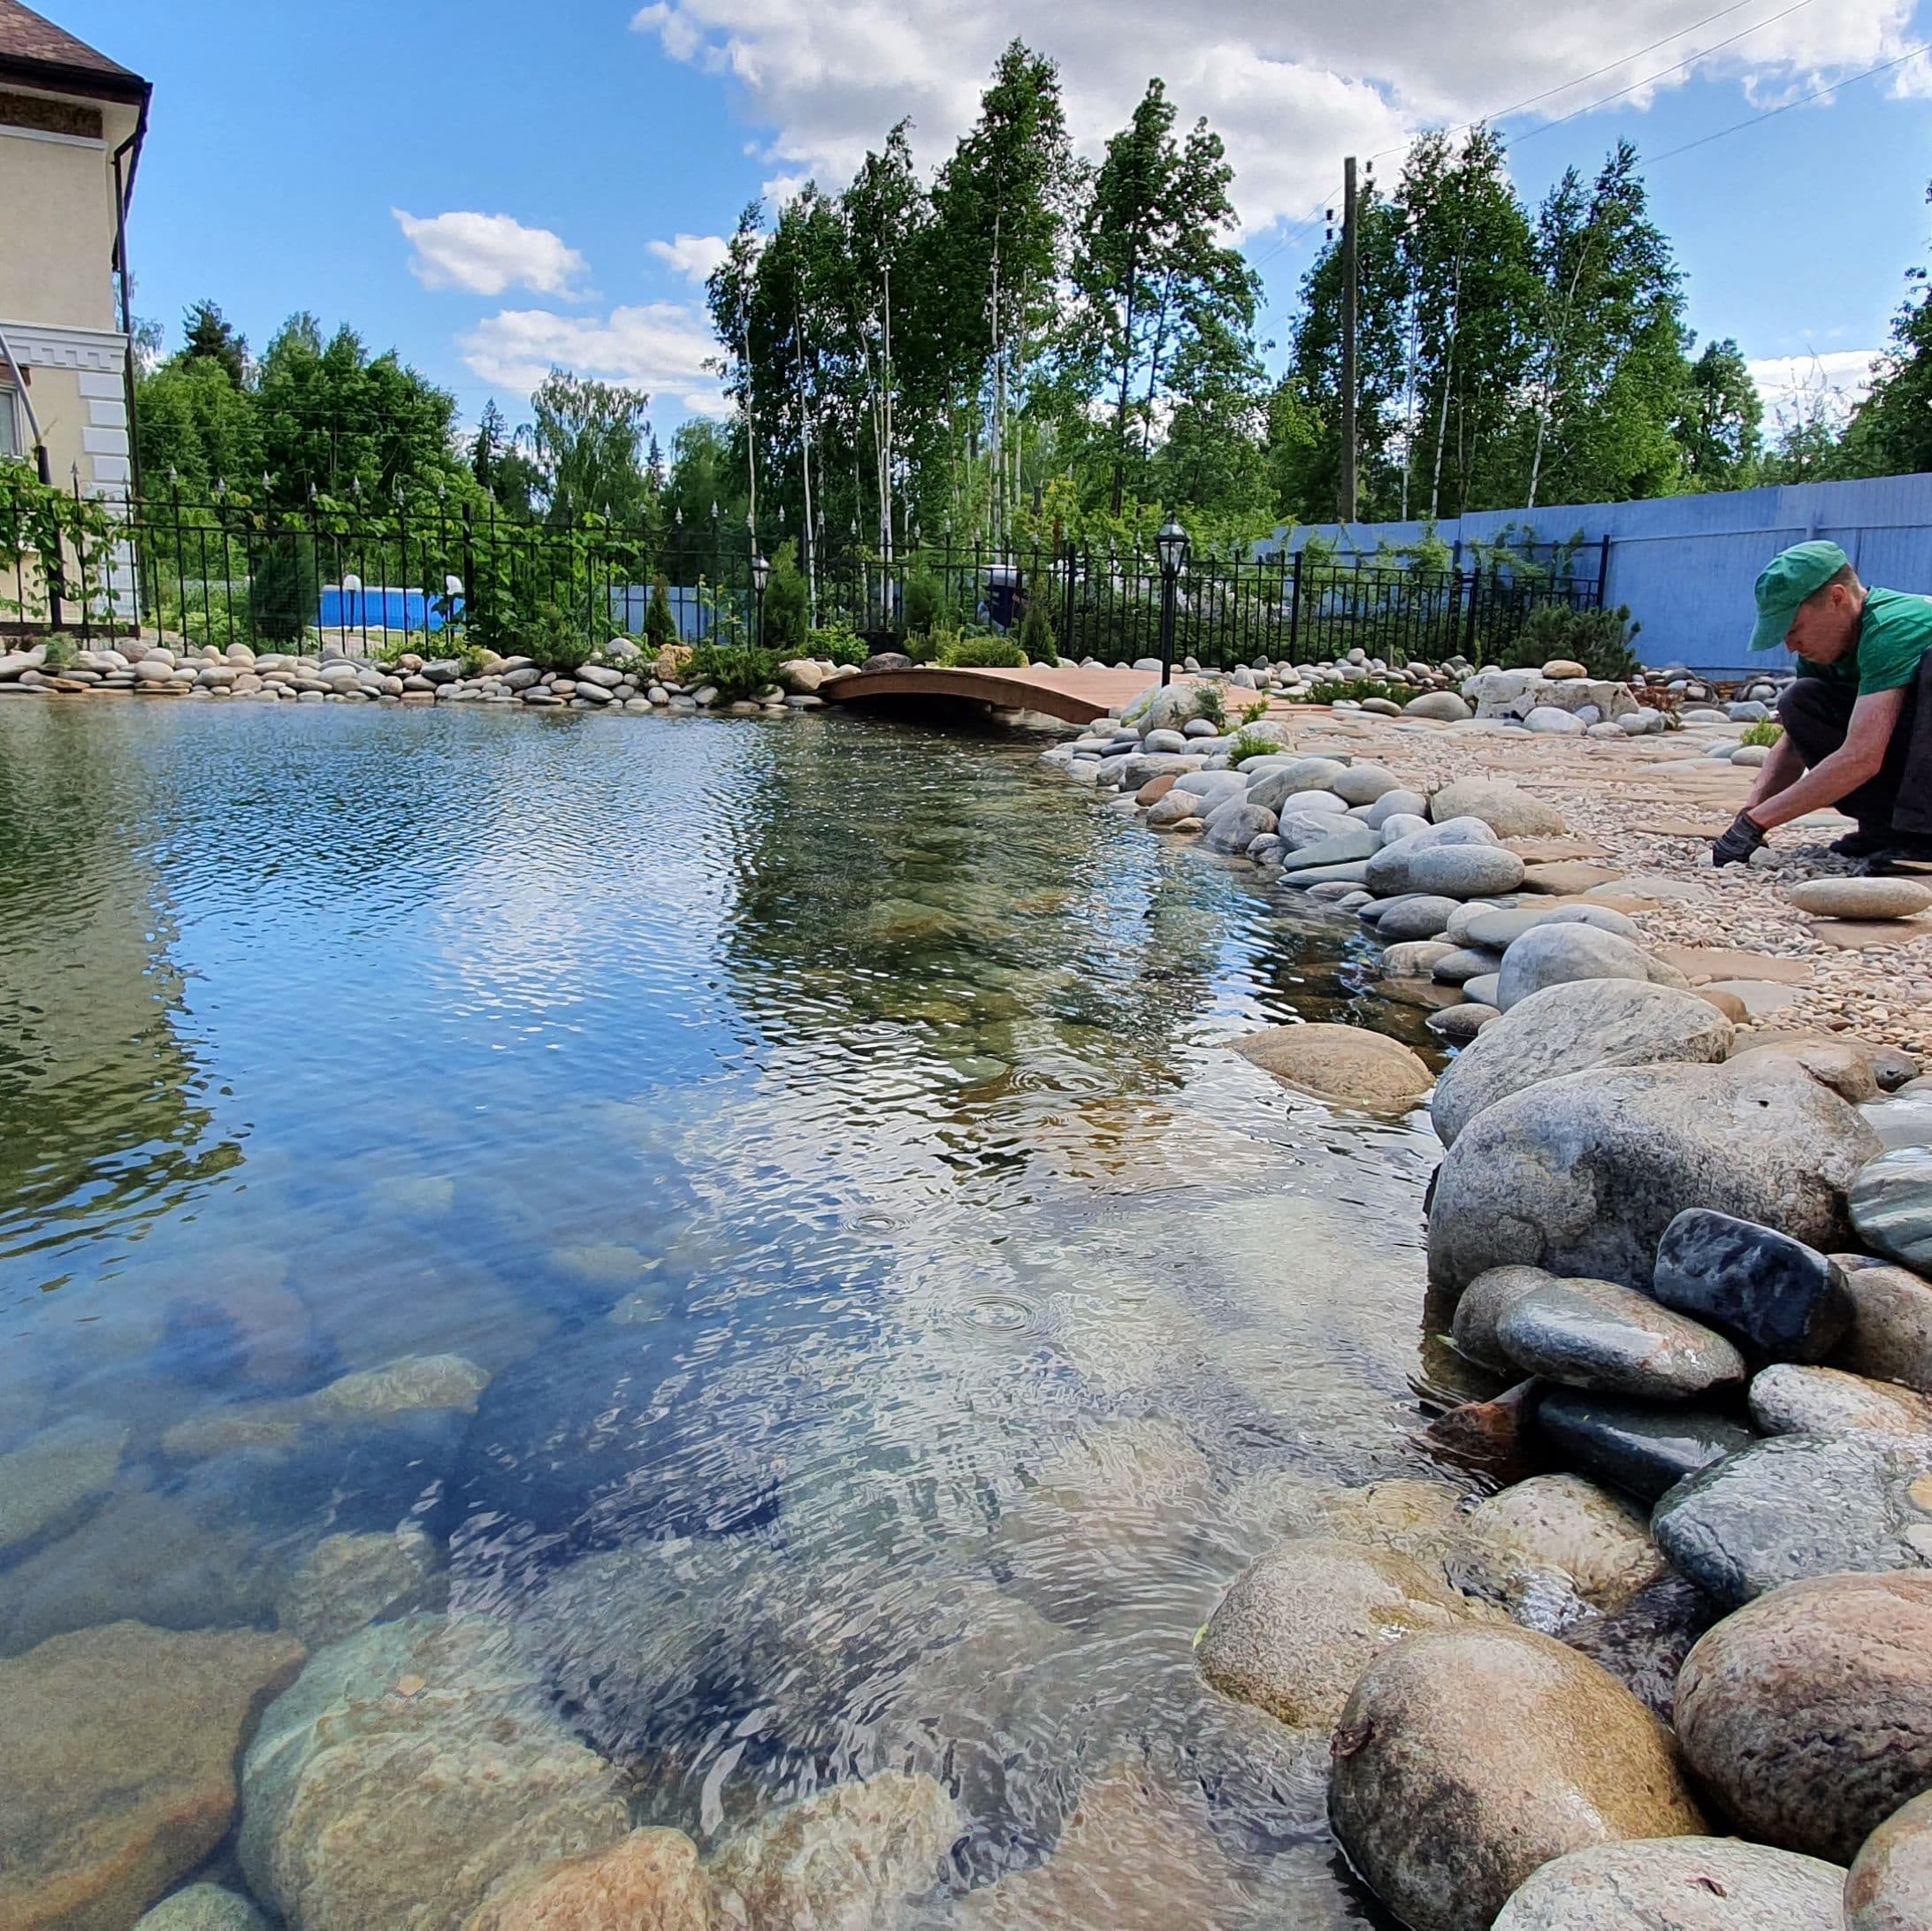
{"points": [[409, 1771], [1299, 1626], [1507, 810], [1582, 1175], [1559, 954], [1465, 871], [1890, 1885], [1794, 1507], [1809, 1712], [1569, 1027], [120, 1744], [1465, 1760], [1346, 1063], [1679, 1884]]}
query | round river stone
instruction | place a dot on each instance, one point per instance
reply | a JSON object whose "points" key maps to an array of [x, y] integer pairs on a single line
{"points": [[1561, 1527], [1346, 1063], [1463, 1761], [1787, 1399], [1890, 1885], [1468, 871], [1595, 1334], [1891, 1206], [1809, 1712], [1795, 1507], [1484, 1303], [1777, 1298], [1302, 1624], [1684, 1883], [1891, 1325], [1861, 897], [1644, 1447]]}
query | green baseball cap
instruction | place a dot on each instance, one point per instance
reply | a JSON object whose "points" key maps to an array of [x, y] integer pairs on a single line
{"points": [[1785, 582]]}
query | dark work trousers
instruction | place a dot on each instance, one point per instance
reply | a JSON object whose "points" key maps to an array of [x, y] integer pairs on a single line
{"points": [[1816, 712]]}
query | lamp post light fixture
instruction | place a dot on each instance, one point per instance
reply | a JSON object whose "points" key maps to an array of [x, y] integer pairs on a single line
{"points": [[760, 577], [1172, 547]]}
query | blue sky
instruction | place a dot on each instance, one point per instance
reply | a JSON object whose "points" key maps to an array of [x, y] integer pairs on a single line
{"points": [[489, 187]]}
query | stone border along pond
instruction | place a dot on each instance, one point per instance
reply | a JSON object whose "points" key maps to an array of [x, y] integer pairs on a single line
{"points": [[1664, 1663]]}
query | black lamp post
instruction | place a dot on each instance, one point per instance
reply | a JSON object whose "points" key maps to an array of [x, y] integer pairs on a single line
{"points": [[1172, 547], [760, 576]]}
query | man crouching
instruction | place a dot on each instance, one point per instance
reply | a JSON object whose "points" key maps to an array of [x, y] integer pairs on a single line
{"points": [[1858, 720]]}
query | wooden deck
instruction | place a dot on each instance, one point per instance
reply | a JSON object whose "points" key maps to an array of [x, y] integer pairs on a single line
{"points": [[1076, 695]]}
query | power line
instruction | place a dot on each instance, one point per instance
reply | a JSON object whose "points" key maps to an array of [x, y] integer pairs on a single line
{"points": [[1770, 113], [1663, 74]]}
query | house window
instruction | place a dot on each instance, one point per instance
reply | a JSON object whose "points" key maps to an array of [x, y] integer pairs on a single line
{"points": [[10, 422]]}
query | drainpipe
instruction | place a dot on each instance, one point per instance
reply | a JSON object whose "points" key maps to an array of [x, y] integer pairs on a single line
{"points": [[123, 193], [20, 390]]}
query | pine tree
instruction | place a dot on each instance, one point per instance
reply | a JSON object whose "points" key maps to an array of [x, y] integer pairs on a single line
{"points": [[208, 336]]}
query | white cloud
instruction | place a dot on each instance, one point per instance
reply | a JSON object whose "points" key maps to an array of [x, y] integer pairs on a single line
{"points": [[661, 346], [1290, 85], [1841, 375], [487, 253], [693, 255]]}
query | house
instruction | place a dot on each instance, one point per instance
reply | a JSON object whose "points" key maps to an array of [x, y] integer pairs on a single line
{"points": [[72, 122]]}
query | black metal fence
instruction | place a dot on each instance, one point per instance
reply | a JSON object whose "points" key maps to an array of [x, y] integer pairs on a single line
{"points": [[222, 570]]}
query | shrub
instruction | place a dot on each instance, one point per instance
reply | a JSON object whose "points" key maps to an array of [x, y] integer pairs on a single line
{"points": [[980, 653], [1355, 689], [737, 672], [1035, 635], [1208, 703], [928, 604], [785, 604], [839, 641], [1766, 731], [283, 591], [554, 640], [1599, 640], [1244, 747], [1253, 714], [660, 621], [60, 651]]}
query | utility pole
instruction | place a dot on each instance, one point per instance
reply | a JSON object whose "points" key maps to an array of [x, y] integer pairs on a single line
{"points": [[1349, 489]]}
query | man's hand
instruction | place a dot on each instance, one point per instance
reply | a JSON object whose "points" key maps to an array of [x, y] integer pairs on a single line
{"points": [[1736, 846]]}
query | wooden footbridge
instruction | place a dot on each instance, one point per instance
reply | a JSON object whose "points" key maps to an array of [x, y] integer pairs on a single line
{"points": [[1064, 692]]}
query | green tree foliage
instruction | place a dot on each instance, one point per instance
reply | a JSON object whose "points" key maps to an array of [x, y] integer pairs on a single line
{"points": [[785, 604], [660, 621], [586, 441], [208, 336], [1891, 432], [283, 591], [197, 427], [1719, 428]]}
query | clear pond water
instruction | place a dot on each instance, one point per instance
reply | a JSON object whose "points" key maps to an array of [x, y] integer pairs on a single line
{"points": [[903, 1314]]}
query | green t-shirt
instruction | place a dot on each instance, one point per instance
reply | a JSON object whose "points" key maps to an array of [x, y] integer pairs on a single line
{"points": [[1894, 636]]}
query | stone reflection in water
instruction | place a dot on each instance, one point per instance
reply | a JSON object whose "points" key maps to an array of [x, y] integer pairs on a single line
{"points": [[764, 1225]]}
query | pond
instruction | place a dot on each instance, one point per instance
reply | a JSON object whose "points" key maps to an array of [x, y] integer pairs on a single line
{"points": [[884, 1315]]}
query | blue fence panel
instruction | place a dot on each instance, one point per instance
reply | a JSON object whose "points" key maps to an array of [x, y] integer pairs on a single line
{"points": [[1685, 564], [384, 610]]}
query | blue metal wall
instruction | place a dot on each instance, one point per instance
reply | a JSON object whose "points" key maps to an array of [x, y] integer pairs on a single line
{"points": [[1685, 564]]}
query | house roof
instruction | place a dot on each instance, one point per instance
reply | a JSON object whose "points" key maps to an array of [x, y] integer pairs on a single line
{"points": [[33, 53]]}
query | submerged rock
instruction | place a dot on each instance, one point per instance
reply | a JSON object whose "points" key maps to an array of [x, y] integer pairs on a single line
{"points": [[1793, 1506], [1643, 1641], [1559, 1526], [1643, 1447], [1594, 1334], [409, 1771], [1582, 1175], [1679, 1884], [650, 1881], [843, 1859], [1345, 1063], [1777, 1298], [1809, 1712], [1299, 1626], [1567, 1028], [54, 1474], [203, 1907], [412, 1384], [1463, 1761], [119, 1764], [350, 1580], [1889, 1886]]}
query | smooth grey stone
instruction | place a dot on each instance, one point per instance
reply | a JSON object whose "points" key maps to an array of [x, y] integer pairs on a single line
{"points": [[1793, 1506], [1297, 874], [1679, 1884], [1460, 1024], [1583, 1174], [1168, 741], [1400, 825], [1465, 871], [1891, 1206], [1556, 955], [203, 1907], [1214, 785], [1465, 963], [1364, 783], [1347, 846], [1504, 927], [1235, 826], [1569, 1027], [1777, 1298], [1482, 990], [1611, 1339], [1419, 916], [1643, 1447], [1398, 803], [1304, 775], [1389, 868], [1790, 1399]]}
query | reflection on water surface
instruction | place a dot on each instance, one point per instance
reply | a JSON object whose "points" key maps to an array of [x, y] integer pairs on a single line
{"points": [[902, 1316]]}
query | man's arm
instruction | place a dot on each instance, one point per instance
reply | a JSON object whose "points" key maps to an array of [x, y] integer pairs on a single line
{"points": [[1778, 796]]}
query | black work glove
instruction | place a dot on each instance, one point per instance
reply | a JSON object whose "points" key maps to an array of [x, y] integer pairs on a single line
{"points": [[1736, 846]]}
